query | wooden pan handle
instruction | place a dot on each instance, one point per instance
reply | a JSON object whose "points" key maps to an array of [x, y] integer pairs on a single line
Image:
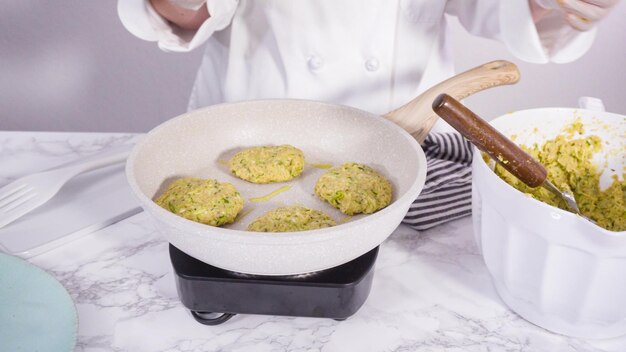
{"points": [[486, 138], [417, 117]]}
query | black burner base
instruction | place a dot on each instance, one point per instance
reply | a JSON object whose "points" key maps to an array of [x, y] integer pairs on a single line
{"points": [[214, 295]]}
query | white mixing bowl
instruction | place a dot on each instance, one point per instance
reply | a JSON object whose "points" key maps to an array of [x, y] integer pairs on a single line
{"points": [[552, 267]]}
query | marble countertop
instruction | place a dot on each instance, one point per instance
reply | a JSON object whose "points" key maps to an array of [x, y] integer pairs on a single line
{"points": [[431, 290]]}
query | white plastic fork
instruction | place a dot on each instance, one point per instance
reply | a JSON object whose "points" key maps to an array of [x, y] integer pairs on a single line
{"points": [[29, 192]]}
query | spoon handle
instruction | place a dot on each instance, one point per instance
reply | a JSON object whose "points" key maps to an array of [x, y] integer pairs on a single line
{"points": [[486, 138]]}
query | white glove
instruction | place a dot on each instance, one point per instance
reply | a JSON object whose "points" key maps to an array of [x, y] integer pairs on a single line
{"points": [[580, 14], [188, 4]]}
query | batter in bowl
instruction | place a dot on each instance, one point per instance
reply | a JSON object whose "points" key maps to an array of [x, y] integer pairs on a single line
{"points": [[570, 167]]}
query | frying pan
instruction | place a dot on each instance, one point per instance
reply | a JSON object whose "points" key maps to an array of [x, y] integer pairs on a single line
{"points": [[197, 144]]}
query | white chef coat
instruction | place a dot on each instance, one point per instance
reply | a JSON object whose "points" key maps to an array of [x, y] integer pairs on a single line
{"points": [[375, 55]]}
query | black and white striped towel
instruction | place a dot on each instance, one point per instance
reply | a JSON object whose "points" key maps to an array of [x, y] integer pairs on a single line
{"points": [[447, 194]]}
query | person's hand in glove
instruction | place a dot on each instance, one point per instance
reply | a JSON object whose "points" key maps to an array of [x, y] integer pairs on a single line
{"points": [[580, 14]]}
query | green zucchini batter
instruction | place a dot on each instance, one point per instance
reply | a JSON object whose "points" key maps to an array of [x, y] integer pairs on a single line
{"points": [[569, 164], [291, 219], [268, 164], [354, 188], [204, 201]]}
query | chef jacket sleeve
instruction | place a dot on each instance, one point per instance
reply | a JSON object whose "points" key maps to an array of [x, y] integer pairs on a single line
{"points": [[510, 21], [140, 19]]}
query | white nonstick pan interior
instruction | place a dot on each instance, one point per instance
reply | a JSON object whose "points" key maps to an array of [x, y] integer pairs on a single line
{"points": [[198, 143]]}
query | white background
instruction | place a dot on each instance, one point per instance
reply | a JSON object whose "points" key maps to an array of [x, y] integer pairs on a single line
{"points": [[71, 66]]}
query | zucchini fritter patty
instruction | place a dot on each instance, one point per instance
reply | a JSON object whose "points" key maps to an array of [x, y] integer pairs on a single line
{"points": [[205, 201], [354, 188], [291, 219], [268, 164]]}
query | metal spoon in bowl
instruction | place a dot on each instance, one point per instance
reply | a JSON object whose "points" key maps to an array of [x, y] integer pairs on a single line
{"points": [[501, 149]]}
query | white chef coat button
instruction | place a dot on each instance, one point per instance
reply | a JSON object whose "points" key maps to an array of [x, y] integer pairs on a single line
{"points": [[372, 64], [315, 62]]}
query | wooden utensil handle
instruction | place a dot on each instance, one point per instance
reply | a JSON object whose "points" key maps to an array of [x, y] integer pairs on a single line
{"points": [[417, 117], [486, 138]]}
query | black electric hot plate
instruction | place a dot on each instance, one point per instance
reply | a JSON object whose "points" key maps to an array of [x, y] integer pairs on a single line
{"points": [[214, 295]]}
